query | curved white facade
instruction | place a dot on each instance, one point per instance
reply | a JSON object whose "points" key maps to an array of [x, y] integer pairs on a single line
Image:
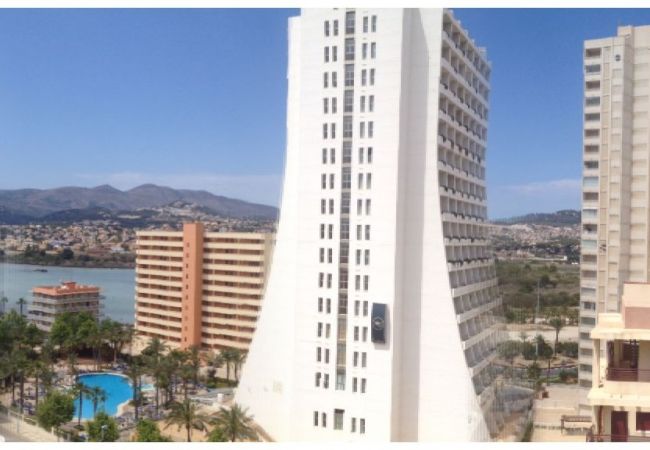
{"points": [[407, 182]]}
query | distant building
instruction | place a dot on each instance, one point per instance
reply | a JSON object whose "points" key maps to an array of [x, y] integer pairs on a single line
{"points": [[615, 240], [198, 288], [51, 301], [620, 393]]}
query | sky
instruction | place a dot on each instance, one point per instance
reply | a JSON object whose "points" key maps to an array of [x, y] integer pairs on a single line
{"points": [[196, 99]]}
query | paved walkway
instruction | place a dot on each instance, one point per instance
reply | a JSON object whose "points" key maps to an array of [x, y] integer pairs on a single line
{"points": [[23, 432]]}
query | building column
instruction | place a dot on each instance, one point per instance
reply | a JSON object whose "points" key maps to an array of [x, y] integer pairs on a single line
{"points": [[192, 290]]}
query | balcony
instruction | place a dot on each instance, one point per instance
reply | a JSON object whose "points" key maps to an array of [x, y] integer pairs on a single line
{"points": [[616, 438], [627, 374]]}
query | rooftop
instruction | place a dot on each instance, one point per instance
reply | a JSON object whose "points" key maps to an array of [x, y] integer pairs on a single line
{"points": [[66, 288]]}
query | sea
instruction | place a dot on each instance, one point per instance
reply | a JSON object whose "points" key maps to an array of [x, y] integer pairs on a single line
{"points": [[117, 285]]}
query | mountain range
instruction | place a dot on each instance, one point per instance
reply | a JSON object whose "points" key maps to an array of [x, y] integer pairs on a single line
{"points": [[565, 217], [45, 205]]}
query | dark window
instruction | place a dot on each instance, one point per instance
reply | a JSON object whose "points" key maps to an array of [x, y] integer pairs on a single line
{"points": [[349, 22], [643, 421]]}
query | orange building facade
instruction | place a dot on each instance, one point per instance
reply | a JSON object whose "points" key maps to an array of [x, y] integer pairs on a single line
{"points": [[198, 288]]}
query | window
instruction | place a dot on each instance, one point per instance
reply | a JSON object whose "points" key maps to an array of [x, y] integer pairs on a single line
{"points": [[347, 152], [325, 78], [365, 24], [330, 231], [329, 280], [347, 126], [368, 180], [362, 129], [324, 156], [340, 378], [354, 384], [363, 385], [333, 130], [331, 203], [371, 103], [370, 129], [327, 356], [334, 55], [328, 329], [326, 102], [322, 206], [373, 50], [327, 54], [317, 379], [345, 207], [321, 278], [364, 334], [362, 426], [336, 27], [357, 282], [373, 27], [338, 419], [327, 28], [359, 207], [334, 79], [315, 418], [318, 354], [372, 77], [319, 329], [366, 260], [348, 101], [369, 155], [349, 49], [364, 358], [320, 304], [643, 421], [353, 425], [360, 181], [331, 181], [364, 74], [358, 232], [366, 281], [362, 107], [361, 150], [326, 378], [324, 131], [367, 232], [322, 231], [322, 255], [329, 306], [329, 255], [346, 178], [349, 75], [333, 105], [349, 22], [355, 359], [365, 308], [367, 207], [357, 303], [356, 334], [323, 420], [364, 50], [332, 156]]}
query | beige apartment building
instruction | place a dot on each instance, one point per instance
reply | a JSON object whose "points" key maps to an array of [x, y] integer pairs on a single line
{"points": [[615, 237], [198, 288], [48, 302], [620, 396]]}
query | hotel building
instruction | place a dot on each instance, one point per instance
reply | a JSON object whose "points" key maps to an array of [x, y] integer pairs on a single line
{"points": [[198, 288], [50, 301], [381, 315], [615, 242], [620, 393]]}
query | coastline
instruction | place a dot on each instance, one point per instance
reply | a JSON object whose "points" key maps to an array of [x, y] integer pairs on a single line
{"points": [[73, 265]]}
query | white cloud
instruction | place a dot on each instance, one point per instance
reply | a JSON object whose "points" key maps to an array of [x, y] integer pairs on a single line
{"points": [[254, 188], [534, 197]]}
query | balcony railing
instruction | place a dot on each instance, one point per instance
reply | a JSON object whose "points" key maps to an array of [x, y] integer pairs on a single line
{"points": [[627, 374], [616, 438]]}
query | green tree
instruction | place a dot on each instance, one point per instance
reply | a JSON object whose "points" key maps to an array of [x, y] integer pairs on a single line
{"points": [[3, 302], [153, 361], [135, 371], [78, 391], [235, 424], [216, 436], [56, 409], [147, 431], [186, 415], [102, 428], [509, 350]]}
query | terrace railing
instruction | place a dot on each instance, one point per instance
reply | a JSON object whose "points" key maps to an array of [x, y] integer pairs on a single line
{"points": [[628, 374]]}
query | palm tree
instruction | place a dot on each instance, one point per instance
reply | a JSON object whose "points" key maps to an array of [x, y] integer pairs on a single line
{"points": [[21, 303], [187, 415], [557, 323], [72, 364], [229, 356], [134, 372], [3, 301], [215, 361], [240, 357], [153, 354], [194, 359], [235, 423], [80, 389], [97, 395]]}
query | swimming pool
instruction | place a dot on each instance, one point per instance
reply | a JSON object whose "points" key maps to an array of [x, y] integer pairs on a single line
{"points": [[117, 388]]}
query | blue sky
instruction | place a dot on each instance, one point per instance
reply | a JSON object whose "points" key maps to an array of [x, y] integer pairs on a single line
{"points": [[196, 99]]}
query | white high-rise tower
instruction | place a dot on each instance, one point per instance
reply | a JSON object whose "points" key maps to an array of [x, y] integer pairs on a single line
{"points": [[381, 315]]}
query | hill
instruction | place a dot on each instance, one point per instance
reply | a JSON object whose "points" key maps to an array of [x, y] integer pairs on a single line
{"points": [[565, 217], [102, 202]]}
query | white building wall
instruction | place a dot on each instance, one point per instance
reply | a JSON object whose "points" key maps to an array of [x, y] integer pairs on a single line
{"points": [[419, 386]]}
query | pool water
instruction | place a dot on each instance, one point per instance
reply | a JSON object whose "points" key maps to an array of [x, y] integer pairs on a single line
{"points": [[117, 388]]}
